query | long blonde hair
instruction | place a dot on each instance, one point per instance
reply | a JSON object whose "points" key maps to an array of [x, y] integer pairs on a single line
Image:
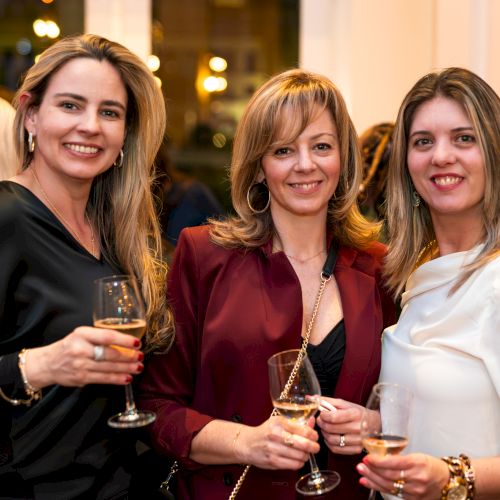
{"points": [[120, 202], [300, 93], [411, 234]]}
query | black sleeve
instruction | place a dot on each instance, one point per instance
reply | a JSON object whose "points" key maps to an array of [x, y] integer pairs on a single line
{"points": [[10, 263]]}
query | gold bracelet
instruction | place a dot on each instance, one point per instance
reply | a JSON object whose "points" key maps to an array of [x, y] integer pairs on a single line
{"points": [[469, 475], [33, 393], [236, 436]]}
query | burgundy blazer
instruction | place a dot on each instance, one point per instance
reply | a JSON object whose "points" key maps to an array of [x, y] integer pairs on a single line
{"points": [[234, 308]]}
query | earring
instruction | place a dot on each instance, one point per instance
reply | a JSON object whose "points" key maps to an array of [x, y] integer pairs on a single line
{"points": [[260, 186], [416, 199], [119, 162], [31, 142]]}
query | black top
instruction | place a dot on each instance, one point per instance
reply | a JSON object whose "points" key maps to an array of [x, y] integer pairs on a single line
{"points": [[61, 446], [326, 359]]}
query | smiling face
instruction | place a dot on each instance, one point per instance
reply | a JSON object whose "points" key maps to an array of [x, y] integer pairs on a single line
{"points": [[79, 127], [302, 175], [445, 161]]}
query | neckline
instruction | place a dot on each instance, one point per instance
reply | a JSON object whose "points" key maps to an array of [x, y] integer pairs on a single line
{"points": [[30, 193]]}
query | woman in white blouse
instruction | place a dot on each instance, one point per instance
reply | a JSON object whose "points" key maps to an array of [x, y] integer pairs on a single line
{"points": [[443, 215]]}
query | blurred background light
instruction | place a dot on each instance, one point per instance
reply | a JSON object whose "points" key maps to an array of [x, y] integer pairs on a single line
{"points": [[153, 63], [217, 64], [23, 46]]}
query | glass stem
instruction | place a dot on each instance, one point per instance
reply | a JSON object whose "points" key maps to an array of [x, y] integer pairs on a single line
{"points": [[129, 397], [314, 466]]}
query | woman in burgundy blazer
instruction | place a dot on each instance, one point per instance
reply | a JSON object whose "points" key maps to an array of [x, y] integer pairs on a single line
{"points": [[243, 289]]}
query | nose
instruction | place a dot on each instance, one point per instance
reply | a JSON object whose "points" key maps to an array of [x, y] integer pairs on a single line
{"points": [[443, 154], [305, 160], [90, 123]]}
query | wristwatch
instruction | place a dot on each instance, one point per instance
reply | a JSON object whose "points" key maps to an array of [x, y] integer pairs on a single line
{"points": [[456, 488]]}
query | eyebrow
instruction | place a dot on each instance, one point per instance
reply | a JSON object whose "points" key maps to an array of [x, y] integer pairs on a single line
{"points": [[427, 132], [80, 98], [316, 136]]}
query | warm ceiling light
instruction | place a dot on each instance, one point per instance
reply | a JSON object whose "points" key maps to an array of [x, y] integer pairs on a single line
{"points": [[153, 62], [40, 28], [210, 84], [53, 30], [217, 64]]}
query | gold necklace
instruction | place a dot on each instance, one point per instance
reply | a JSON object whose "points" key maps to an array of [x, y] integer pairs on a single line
{"points": [[302, 261], [63, 220]]}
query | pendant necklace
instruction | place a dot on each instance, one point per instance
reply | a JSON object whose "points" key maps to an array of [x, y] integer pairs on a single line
{"points": [[302, 261], [64, 221]]}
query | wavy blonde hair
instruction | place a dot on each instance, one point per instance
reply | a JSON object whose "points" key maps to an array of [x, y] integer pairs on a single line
{"points": [[411, 234], [301, 94], [120, 201]]}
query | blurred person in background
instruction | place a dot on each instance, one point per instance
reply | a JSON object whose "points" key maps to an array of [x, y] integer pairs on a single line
{"points": [[8, 157], [182, 201], [376, 146]]}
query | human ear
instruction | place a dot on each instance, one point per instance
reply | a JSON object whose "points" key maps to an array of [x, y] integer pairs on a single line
{"points": [[31, 112]]}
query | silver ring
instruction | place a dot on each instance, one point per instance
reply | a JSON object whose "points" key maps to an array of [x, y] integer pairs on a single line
{"points": [[342, 442], [398, 486], [98, 352], [289, 441]]}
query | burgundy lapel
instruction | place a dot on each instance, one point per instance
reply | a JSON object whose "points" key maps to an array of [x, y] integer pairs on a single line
{"points": [[363, 326]]}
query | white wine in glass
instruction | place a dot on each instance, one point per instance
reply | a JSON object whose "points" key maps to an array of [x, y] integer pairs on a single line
{"points": [[295, 393], [118, 306], [385, 420]]}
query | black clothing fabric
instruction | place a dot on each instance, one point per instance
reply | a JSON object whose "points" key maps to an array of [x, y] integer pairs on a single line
{"points": [[62, 447], [186, 204], [326, 359]]}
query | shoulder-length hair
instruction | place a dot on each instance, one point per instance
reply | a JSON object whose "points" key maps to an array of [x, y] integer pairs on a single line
{"points": [[300, 94], [411, 234], [120, 202]]}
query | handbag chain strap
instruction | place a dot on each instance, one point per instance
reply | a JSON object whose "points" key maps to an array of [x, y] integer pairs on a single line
{"points": [[326, 276]]}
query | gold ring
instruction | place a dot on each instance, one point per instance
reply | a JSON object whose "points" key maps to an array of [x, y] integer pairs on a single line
{"points": [[398, 487], [289, 441], [342, 442]]}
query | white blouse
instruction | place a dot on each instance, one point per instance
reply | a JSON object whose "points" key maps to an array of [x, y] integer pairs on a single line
{"points": [[446, 349]]}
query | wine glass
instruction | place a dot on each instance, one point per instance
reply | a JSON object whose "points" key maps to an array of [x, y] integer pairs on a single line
{"points": [[118, 306], [295, 392], [385, 420]]}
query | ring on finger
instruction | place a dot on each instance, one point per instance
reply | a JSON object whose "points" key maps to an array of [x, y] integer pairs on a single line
{"points": [[98, 352], [398, 487], [342, 442], [289, 440]]}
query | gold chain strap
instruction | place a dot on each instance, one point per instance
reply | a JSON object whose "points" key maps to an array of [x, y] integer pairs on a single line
{"points": [[303, 349]]}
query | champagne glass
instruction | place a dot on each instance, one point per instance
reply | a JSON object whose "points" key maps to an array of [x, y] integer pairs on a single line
{"points": [[295, 393], [118, 306], [385, 421]]}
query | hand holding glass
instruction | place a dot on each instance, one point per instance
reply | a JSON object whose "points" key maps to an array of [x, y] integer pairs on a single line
{"points": [[118, 306], [385, 420], [295, 392]]}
